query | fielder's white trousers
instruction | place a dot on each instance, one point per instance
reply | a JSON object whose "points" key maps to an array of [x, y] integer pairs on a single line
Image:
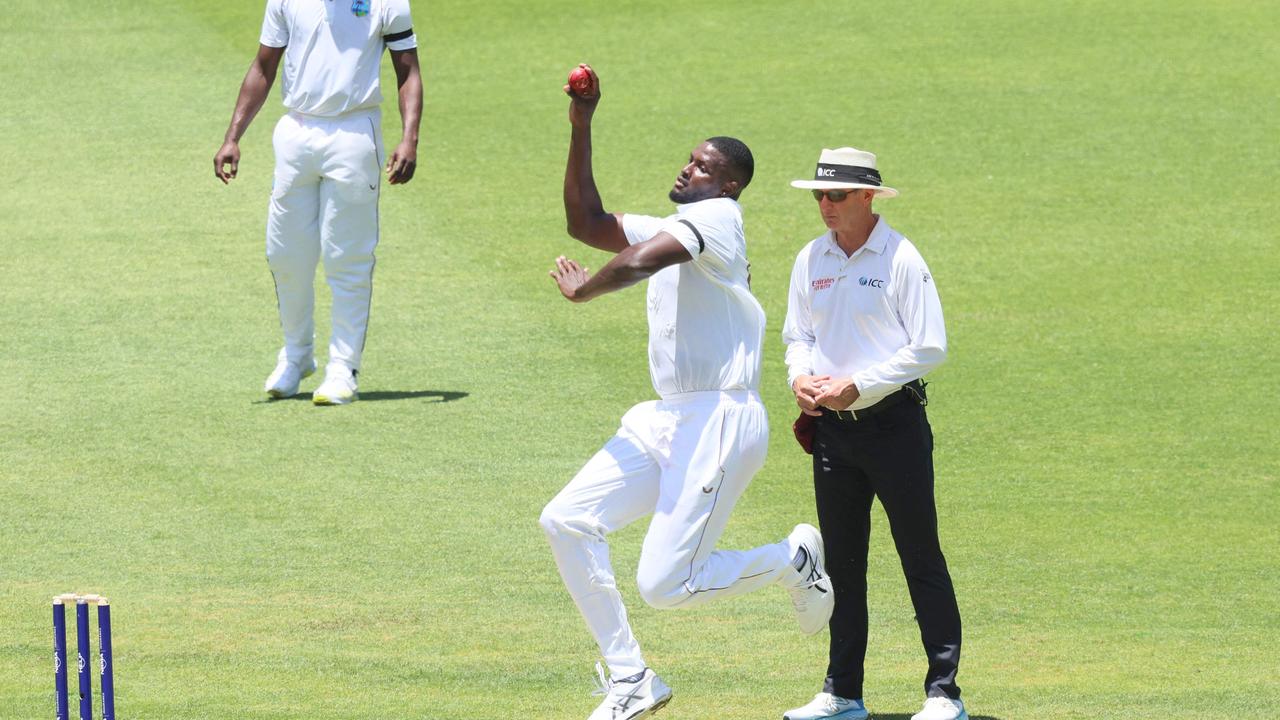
{"points": [[687, 460], [325, 200]]}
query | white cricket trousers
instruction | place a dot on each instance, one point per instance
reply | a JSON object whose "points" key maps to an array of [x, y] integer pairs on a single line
{"points": [[325, 199], [686, 459]]}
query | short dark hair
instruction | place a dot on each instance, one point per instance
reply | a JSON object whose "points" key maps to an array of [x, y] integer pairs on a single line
{"points": [[741, 164]]}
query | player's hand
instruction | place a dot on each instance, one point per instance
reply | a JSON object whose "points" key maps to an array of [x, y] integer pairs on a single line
{"points": [[583, 104], [807, 389], [228, 154], [838, 394], [570, 276], [402, 163]]}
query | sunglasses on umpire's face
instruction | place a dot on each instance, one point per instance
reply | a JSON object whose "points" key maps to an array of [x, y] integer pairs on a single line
{"points": [[834, 196]]}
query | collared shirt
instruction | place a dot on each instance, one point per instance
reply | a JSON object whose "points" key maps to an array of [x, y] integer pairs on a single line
{"points": [[705, 327], [874, 316], [333, 50]]}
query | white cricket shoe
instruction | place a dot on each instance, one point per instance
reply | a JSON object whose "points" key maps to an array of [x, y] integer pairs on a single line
{"points": [[811, 589], [338, 388], [283, 381], [625, 700], [941, 708], [826, 705]]}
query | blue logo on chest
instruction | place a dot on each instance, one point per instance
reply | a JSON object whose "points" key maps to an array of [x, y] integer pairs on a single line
{"points": [[359, 8], [870, 282]]}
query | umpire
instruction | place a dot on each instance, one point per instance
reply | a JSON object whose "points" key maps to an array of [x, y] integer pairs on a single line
{"points": [[864, 325]]}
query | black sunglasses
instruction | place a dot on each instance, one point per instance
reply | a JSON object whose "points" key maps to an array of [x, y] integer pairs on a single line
{"points": [[832, 195]]}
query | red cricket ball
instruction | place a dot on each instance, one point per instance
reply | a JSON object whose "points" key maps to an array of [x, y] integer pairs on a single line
{"points": [[580, 80]]}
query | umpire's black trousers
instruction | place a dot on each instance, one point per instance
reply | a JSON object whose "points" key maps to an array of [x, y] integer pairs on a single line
{"points": [[886, 454]]}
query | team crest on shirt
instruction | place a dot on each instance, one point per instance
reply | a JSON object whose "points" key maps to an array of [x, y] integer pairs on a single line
{"points": [[359, 8], [823, 283]]}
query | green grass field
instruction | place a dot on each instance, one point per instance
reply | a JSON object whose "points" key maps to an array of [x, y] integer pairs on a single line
{"points": [[1092, 183]]}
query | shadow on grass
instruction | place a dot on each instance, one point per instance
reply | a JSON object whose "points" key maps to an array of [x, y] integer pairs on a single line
{"points": [[907, 716], [377, 395], [443, 395]]}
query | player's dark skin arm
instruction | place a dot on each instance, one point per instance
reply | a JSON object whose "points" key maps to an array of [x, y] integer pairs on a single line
{"points": [[583, 209], [404, 160], [253, 93], [635, 263]]}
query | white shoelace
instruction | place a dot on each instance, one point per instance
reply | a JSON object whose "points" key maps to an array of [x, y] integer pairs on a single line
{"points": [[814, 579], [941, 703], [605, 686], [829, 703], [603, 683]]}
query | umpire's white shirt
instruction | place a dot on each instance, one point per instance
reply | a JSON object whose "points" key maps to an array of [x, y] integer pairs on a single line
{"points": [[333, 50], [705, 326], [874, 316]]}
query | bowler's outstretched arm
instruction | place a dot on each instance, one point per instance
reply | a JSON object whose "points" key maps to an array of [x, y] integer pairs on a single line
{"points": [[635, 263]]}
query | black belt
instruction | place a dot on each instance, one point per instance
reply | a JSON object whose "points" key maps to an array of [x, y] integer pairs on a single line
{"points": [[913, 391]]}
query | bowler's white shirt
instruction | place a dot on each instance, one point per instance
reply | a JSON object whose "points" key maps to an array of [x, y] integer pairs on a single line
{"points": [[332, 55], [705, 327], [874, 316]]}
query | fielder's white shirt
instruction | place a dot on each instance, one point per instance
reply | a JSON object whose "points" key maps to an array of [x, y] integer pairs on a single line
{"points": [[874, 316], [333, 50], [705, 327]]}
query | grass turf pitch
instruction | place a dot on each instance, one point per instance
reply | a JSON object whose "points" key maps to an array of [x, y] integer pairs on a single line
{"points": [[1091, 184]]}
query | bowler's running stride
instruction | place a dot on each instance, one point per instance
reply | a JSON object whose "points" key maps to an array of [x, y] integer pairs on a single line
{"points": [[688, 457]]}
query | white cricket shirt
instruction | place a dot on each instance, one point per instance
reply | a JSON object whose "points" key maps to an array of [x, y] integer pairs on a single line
{"points": [[333, 50], [705, 327], [874, 316]]}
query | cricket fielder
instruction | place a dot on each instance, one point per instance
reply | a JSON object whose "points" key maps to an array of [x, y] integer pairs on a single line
{"points": [[324, 198]]}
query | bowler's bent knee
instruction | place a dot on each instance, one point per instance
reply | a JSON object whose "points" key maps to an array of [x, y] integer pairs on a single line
{"points": [[661, 590], [561, 524], [551, 521]]}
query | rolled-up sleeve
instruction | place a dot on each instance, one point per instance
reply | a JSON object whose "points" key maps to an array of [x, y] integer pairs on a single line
{"points": [[797, 330], [920, 310]]}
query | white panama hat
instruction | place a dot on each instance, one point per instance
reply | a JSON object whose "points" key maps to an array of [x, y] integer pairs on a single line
{"points": [[846, 168]]}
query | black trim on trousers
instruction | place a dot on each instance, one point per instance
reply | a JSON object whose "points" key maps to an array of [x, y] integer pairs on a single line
{"points": [[377, 237]]}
